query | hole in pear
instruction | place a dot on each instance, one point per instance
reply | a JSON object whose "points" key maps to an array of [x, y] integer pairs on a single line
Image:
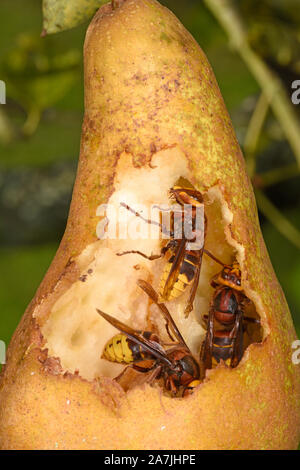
{"points": [[75, 332]]}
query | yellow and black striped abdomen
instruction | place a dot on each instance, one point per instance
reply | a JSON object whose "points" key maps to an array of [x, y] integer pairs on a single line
{"points": [[117, 349], [121, 349], [185, 277]]}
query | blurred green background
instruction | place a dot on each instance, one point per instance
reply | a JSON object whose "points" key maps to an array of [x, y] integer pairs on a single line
{"points": [[40, 129]]}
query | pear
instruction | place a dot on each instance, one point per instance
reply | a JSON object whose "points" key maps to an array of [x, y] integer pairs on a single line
{"points": [[153, 114]]}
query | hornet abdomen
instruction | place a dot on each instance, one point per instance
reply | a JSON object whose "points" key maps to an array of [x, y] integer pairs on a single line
{"points": [[122, 350], [223, 347], [185, 277]]}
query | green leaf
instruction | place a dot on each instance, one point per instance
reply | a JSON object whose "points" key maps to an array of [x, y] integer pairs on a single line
{"points": [[60, 15], [37, 76]]}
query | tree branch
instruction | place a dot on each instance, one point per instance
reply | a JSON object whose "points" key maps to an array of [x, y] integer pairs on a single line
{"points": [[278, 175], [253, 132], [283, 225], [269, 82]]}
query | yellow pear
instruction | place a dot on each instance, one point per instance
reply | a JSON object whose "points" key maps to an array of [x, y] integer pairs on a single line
{"points": [[153, 114]]}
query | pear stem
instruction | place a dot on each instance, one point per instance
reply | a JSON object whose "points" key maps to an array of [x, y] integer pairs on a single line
{"points": [[269, 82]]}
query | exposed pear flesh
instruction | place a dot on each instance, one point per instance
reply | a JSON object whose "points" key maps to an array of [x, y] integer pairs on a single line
{"points": [[153, 113]]}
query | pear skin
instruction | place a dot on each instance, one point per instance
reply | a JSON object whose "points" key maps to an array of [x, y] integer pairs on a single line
{"points": [[153, 112]]}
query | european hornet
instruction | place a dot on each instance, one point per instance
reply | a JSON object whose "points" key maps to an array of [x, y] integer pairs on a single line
{"points": [[145, 352], [226, 309], [183, 263]]}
